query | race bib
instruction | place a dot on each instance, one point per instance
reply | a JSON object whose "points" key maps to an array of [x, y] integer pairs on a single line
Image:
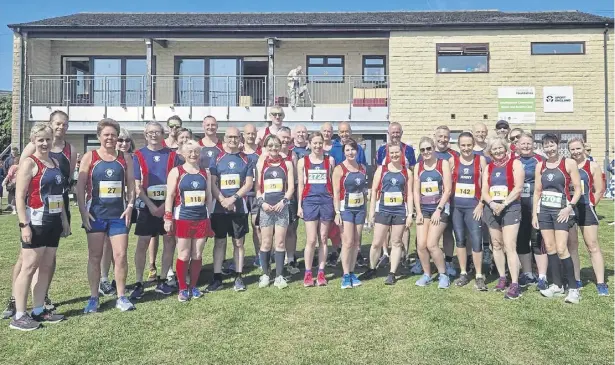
{"points": [[230, 181], [110, 189], [498, 193], [393, 199], [157, 192], [273, 186], [552, 199], [56, 203], [195, 198], [356, 200], [526, 192], [466, 191], [429, 188], [317, 177]]}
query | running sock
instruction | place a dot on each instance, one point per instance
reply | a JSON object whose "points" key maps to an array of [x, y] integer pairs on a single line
{"points": [[448, 258], [478, 276], [307, 271], [321, 271], [464, 273], [265, 261], [279, 263], [569, 270], [195, 271], [556, 270], [218, 276], [104, 278], [19, 314], [182, 267], [542, 276], [38, 310]]}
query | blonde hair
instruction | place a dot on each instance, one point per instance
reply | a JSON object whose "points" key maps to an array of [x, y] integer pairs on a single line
{"points": [[39, 128], [577, 139], [428, 140], [277, 109], [494, 141]]}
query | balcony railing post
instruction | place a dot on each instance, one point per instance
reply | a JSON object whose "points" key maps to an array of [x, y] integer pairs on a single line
{"points": [[105, 93], [266, 96], [388, 83], [30, 96], [307, 91], [143, 97], [190, 96], [228, 97], [350, 88], [66, 80]]}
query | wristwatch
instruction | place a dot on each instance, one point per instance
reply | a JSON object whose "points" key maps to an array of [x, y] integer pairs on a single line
{"points": [[23, 225], [236, 197], [440, 208], [285, 201]]}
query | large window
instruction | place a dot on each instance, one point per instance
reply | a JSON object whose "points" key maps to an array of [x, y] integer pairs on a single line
{"points": [[209, 81], [558, 48], [325, 68], [374, 68], [462, 58]]}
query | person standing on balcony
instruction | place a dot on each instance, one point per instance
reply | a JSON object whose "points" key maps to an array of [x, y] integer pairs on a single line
{"points": [[152, 164], [253, 151], [212, 145], [300, 144], [174, 124], [295, 89], [231, 180], [276, 115]]}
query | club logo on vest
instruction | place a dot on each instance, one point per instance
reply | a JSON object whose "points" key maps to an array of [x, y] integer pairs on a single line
{"points": [[497, 174], [156, 158], [550, 177], [393, 181], [58, 179], [357, 181], [274, 173], [195, 184], [109, 172], [429, 179], [466, 170], [210, 153], [231, 165]]}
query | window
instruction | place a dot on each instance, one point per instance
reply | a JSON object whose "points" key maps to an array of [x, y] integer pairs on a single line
{"points": [[454, 139], [207, 81], [374, 68], [558, 48], [325, 68], [458, 58], [564, 137], [90, 142]]}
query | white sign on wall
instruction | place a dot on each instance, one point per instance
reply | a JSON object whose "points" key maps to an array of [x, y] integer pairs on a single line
{"points": [[557, 99], [517, 104]]}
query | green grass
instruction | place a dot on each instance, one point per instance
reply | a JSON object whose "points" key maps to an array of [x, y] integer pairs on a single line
{"points": [[373, 324]]}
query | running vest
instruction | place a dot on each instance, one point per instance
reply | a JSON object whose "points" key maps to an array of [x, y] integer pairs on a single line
{"points": [[274, 180], [482, 153], [153, 169], [300, 151], [555, 186], [466, 183], [403, 160], [209, 154], [431, 186], [501, 181], [44, 202], [63, 158], [105, 187], [391, 196], [253, 160], [587, 184], [352, 189], [529, 166], [190, 195], [317, 180], [232, 170]]}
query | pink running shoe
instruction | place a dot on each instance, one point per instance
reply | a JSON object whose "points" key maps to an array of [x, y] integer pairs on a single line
{"points": [[308, 279], [321, 280]]}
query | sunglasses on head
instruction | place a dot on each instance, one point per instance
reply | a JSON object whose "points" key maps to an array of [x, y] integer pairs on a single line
{"points": [[122, 140], [426, 149]]}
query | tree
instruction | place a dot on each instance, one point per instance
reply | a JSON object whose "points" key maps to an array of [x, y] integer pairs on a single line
{"points": [[6, 107]]}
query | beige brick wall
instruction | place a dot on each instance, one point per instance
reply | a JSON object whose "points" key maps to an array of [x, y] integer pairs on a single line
{"points": [[423, 99]]}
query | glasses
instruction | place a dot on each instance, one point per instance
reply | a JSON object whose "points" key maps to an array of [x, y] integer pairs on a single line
{"points": [[276, 114], [122, 140], [152, 134], [426, 149], [515, 137], [502, 128]]}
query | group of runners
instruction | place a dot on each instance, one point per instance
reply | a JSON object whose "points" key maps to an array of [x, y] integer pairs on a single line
{"points": [[494, 195]]}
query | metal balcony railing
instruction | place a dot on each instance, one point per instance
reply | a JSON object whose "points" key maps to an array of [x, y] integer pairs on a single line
{"points": [[198, 91]]}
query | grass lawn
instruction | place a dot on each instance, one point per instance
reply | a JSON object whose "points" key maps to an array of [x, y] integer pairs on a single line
{"points": [[373, 324]]}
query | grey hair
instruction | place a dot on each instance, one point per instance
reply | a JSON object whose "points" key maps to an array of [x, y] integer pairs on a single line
{"points": [[153, 123]]}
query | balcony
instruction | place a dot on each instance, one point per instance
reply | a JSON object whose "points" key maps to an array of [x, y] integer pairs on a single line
{"points": [[229, 98]]}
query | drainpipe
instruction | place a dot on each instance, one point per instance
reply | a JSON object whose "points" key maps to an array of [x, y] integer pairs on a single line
{"points": [[270, 82], [22, 90], [606, 99]]}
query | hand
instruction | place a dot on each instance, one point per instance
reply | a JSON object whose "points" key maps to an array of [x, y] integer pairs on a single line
{"points": [[86, 218], [535, 222], [419, 219], [478, 213], [26, 234], [278, 207], [409, 221], [300, 212], [266, 207], [497, 208], [564, 214], [338, 219], [127, 215], [65, 228], [168, 225], [435, 218]]}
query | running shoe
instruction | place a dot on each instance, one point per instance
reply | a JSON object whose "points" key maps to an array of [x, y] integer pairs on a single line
{"points": [[183, 296], [137, 292], [280, 282], [25, 323], [390, 280], [346, 282], [362, 260], [355, 280], [9, 311], [49, 304], [603, 289], [450, 270], [153, 274], [320, 279], [105, 289], [172, 281], [164, 288], [513, 292], [480, 285], [501, 284], [332, 259], [92, 306], [196, 293], [573, 297], [292, 268], [416, 269], [228, 268], [124, 305], [579, 284], [382, 261], [463, 280], [257, 261], [443, 281], [526, 279], [553, 291], [424, 280], [471, 267], [369, 274], [47, 317], [542, 284], [308, 279], [213, 286], [239, 285], [263, 281]]}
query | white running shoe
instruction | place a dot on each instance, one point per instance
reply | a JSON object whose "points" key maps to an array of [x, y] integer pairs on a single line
{"points": [[553, 291], [573, 296], [263, 282], [280, 282]]}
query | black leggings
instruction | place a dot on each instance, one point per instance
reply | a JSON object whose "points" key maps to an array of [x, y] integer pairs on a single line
{"points": [[529, 239]]}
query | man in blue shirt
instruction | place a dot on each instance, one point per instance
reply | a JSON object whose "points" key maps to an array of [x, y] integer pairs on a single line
{"points": [[395, 133], [337, 150]]}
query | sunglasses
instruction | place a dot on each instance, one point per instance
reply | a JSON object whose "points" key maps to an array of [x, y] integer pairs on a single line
{"points": [[122, 140], [174, 126], [276, 114], [512, 138], [151, 134], [504, 128], [426, 149]]}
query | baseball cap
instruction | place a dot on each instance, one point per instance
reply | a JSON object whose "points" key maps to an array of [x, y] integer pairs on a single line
{"points": [[502, 124]]}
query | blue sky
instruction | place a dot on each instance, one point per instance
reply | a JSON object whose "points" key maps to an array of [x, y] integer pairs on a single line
{"points": [[28, 10]]}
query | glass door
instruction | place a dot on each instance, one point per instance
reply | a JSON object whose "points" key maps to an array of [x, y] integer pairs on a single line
{"points": [[223, 79], [107, 81], [78, 70]]}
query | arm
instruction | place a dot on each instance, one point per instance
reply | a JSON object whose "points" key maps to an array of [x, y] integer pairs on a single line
{"points": [[519, 178], [575, 178], [537, 193], [130, 190], [84, 170], [486, 197], [300, 186], [28, 150], [140, 192], [598, 182], [409, 197], [372, 201], [417, 196], [257, 179], [209, 196], [27, 169], [290, 186], [170, 198], [336, 179], [447, 183], [73, 159]]}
